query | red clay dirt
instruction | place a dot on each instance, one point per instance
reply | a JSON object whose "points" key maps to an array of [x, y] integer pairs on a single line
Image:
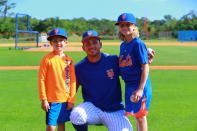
{"points": [[72, 45], [47, 49], [111, 43], [151, 67]]}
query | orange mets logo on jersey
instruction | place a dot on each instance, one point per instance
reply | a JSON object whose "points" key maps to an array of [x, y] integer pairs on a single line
{"points": [[110, 73], [67, 75], [126, 62]]}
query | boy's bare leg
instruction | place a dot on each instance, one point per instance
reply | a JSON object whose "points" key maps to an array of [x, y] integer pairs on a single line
{"points": [[61, 126], [142, 124]]}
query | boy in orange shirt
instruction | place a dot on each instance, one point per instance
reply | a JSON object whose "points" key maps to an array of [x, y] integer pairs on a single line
{"points": [[57, 82]]}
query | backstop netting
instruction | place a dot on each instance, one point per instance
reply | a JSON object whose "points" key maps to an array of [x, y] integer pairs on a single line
{"points": [[25, 37]]}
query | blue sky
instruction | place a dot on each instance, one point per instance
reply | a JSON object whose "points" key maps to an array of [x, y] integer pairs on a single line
{"points": [[108, 9]]}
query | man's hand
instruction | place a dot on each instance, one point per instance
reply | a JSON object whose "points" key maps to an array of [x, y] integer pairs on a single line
{"points": [[45, 105]]}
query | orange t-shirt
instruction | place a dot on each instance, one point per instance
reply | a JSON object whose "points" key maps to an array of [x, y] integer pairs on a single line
{"points": [[56, 79]]}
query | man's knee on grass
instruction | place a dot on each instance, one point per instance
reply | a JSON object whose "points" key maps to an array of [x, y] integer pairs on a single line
{"points": [[78, 116]]}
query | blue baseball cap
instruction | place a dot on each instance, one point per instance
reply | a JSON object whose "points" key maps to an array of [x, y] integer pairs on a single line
{"points": [[126, 17], [90, 34], [57, 32]]}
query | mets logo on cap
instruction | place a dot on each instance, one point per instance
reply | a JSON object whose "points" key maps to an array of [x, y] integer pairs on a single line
{"points": [[123, 16], [55, 31], [89, 33]]}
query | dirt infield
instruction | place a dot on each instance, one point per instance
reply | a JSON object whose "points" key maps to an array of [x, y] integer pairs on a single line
{"points": [[112, 43], [156, 44], [173, 67], [71, 46], [47, 49], [151, 67], [19, 67], [13, 45]]}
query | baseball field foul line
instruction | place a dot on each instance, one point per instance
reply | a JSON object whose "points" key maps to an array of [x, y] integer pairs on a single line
{"points": [[151, 67], [19, 67], [173, 67], [110, 43]]}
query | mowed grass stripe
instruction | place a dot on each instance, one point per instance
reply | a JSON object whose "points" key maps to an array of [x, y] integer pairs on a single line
{"points": [[173, 105], [165, 55]]}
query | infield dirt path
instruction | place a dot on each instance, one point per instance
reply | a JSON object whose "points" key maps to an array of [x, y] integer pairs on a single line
{"points": [[151, 67], [111, 43], [72, 45]]}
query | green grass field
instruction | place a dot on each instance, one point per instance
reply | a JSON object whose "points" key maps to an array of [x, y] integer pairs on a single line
{"points": [[165, 55], [173, 106]]}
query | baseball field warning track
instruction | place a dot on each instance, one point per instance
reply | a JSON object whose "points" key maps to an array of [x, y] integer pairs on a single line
{"points": [[113, 43], [193, 67]]}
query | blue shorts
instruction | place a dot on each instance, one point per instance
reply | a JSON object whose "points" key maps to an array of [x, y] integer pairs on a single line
{"points": [[141, 108], [57, 114]]}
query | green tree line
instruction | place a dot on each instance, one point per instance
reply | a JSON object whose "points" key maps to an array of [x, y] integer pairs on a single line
{"points": [[168, 23]]}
